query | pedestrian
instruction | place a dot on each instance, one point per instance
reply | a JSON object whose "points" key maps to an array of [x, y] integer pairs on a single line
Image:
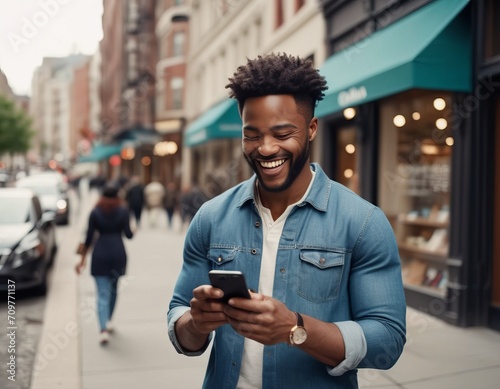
{"points": [[134, 196], [153, 194], [109, 220], [322, 261], [170, 202], [190, 201]]}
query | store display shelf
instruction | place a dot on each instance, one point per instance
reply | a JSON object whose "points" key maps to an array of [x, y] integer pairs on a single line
{"points": [[428, 290], [422, 253], [423, 222]]}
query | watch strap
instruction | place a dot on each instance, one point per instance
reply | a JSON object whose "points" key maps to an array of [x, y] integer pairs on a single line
{"points": [[300, 321]]}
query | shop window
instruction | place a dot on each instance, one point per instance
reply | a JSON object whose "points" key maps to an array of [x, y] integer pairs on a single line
{"points": [[347, 153], [414, 183], [495, 299], [492, 29]]}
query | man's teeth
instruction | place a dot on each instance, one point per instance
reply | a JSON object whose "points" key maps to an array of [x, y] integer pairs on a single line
{"points": [[271, 164]]}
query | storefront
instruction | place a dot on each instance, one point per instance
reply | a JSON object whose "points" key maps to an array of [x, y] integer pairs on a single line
{"points": [[406, 136], [213, 149], [487, 155]]}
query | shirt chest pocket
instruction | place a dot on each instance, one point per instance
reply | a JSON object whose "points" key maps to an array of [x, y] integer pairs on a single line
{"points": [[320, 275], [222, 257]]}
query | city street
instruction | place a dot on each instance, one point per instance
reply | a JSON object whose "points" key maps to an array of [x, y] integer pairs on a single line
{"points": [[436, 356], [139, 352], [29, 316]]}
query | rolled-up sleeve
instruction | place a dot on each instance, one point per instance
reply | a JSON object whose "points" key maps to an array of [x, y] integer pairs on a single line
{"points": [[194, 273], [173, 315], [355, 347]]}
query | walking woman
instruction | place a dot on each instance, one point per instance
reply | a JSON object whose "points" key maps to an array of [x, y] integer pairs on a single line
{"points": [[109, 219]]}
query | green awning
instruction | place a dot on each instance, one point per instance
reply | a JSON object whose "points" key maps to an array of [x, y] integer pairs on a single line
{"points": [[222, 121], [139, 136], [429, 49], [101, 151]]}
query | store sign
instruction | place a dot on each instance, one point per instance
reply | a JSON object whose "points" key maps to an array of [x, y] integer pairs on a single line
{"points": [[351, 96], [168, 126]]}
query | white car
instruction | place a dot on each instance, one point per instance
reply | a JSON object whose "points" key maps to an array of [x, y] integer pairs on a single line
{"points": [[27, 240], [51, 190]]}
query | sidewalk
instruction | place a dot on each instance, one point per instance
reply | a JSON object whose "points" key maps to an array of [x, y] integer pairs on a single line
{"points": [[140, 355]]}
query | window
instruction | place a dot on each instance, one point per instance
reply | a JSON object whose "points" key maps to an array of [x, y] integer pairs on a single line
{"points": [[416, 144], [347, 155], [492, 29], [278, 7], [178, 47], [495, 295], [177, 88], [299, 4]]}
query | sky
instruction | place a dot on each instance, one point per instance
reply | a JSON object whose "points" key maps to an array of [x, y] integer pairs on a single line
{"points": [[33, 29]]}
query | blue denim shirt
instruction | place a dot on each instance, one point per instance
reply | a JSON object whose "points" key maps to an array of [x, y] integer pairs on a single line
{"points": [[337, 262]]}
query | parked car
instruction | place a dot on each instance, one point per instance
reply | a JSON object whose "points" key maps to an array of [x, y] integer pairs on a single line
{"points": [[51, 190], [27, 240], [4, 178]]}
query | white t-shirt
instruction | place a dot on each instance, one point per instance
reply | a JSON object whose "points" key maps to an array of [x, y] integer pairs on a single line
{"points": [[251, 364]]}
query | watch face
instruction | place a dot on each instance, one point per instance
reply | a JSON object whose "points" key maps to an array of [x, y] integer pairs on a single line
{"points": [[299, 335]]}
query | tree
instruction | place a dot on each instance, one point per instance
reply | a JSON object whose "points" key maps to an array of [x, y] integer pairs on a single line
{"points": [[15, 128]]}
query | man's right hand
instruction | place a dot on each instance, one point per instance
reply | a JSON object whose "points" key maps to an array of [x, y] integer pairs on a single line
{"points": [[206, 310], [206, 315]]}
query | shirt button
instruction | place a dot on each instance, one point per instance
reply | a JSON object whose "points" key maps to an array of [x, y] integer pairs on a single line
{"points": [[283, 270], [257, 224], [219, 259], [322, 261], [254, 251]]}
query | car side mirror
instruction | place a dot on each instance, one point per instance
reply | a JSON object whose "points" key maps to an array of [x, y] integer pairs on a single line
{"points": [[47, 217]]}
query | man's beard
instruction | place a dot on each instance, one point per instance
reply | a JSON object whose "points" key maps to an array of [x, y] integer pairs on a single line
{"points": [[296, 167]]}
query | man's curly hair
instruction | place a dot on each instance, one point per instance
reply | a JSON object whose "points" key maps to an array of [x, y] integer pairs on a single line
{"points": [[276, 74]]}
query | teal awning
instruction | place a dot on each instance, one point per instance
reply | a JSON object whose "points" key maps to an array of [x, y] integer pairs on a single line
{"points": [[429, 49], [139, 136], [222, 121], [101, 151]]}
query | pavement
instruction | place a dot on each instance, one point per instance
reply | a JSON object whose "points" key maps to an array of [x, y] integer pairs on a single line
{"points": [[140, 355]]}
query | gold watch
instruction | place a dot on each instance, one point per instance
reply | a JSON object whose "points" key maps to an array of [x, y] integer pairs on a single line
{"points": [[298, 333]]}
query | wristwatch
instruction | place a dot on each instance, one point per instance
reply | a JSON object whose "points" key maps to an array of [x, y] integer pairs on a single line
{"points": [[298, 333]]}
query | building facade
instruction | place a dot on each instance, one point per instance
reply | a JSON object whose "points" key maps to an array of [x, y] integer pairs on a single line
{"points": [[128, 61], [51, 106], [172, 34], [410, 122], [222, 35]]}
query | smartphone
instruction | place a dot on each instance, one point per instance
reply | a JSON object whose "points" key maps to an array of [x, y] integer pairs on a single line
{"points": [[231, 282]]}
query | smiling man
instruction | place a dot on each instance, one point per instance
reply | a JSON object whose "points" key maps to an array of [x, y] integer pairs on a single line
{"points": [[323, 262]]}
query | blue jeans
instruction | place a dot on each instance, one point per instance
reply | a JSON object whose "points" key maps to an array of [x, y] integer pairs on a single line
{"points": [[106, 298]]}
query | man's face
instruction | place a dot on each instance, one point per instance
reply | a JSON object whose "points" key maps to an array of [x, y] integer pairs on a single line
{"points": [[276, 140]]}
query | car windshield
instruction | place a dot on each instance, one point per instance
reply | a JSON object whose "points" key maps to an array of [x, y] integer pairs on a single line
{"points": [[14, 210]]}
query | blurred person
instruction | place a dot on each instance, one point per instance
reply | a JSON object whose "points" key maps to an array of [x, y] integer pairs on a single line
{"points": [[323, 261], [98, 182], [83, 187], [170, 202], [109, 220], [153, 194], [190, 201], [134, 196]]}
